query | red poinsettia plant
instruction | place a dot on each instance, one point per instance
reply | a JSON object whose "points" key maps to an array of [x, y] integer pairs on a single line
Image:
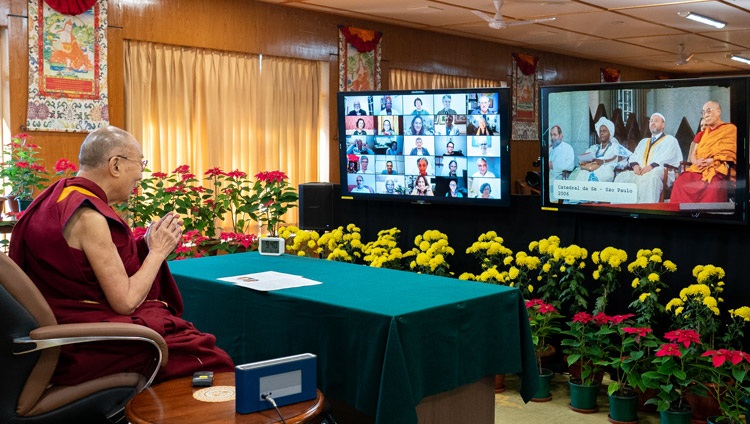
{"points": [[678, 370], [20, 168], [544, 321], [65, 168], [729, 373], [275, 197]]}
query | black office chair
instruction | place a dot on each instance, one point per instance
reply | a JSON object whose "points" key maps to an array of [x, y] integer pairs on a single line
{"points": [[29, 351]]}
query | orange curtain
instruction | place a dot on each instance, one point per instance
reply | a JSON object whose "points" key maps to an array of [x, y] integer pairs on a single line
{"points": [[207, 108]]}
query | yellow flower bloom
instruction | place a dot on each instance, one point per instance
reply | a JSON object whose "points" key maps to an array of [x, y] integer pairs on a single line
{"points": [[653, 277], [742, 312], [635, 283], [643, 296]]}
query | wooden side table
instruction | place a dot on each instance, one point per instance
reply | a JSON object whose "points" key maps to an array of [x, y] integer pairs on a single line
{"points": [[173, 402]]}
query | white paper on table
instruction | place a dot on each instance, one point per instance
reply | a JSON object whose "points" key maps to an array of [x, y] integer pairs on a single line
{"points": [[269, 280]]}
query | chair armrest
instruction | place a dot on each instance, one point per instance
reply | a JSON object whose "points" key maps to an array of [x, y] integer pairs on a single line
{"points": [[64, 334]]}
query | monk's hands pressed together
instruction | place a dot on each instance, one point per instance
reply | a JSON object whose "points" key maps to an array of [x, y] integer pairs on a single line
{"points": [[163, 235]]}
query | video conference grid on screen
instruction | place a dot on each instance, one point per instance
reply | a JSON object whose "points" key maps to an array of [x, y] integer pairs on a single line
{"points": [[424, 144]]}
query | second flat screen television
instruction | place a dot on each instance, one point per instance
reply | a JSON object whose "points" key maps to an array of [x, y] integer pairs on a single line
{"points": [[638, 149], [427, 146]]}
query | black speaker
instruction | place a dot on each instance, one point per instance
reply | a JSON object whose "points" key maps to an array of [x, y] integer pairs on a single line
{"points": [[316, 206]]}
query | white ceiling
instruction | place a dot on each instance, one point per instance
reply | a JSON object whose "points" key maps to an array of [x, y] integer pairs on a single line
{"points": [[642, 33]]}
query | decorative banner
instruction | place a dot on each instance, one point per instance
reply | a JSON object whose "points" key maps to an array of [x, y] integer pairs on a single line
{"points": [[524, 104], [609, 74], [359, 59], [67, 68]]}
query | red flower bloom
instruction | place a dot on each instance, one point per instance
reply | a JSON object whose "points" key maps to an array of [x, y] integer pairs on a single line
{"points": [[617, 319], [139, 231], [640, 331], [237, 174], [582, 317], [62, 165], [182, 169], [683, 336], [601, 318], [214, 172], [159, 174], [669, 349]]}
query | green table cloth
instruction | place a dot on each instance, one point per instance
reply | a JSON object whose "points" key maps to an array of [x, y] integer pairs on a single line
{"points": [[385, 339]]}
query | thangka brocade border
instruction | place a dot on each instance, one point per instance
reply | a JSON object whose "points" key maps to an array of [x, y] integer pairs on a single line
{"points": [[354, 61], [67, 69]]}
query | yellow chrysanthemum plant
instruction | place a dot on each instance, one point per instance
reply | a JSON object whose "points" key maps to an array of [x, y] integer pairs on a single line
{"points": [[548, 289], [608, 263], [697, 307], [648, 268], [562, 278], [384, 252], [301, 242], [431, 254], [494, 259], [342, 244], [523, 273]]}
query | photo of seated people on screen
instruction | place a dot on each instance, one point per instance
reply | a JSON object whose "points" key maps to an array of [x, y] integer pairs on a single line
{"points": [[361, 183], [419, 185], [419, 165], [389, 125], [389, 165], [390, 105], [358, 106], [450, 146], [419, 125], [482, 145], [390, 184], [419, 145], [357, 144], [418, 105], [426, 143], [452, 166], [451, 187], [450, 104], [450, 125], [681, 159]]}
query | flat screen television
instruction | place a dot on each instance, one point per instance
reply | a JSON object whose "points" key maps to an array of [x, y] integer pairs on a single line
{"points": [[426, 146], [625, 149]]}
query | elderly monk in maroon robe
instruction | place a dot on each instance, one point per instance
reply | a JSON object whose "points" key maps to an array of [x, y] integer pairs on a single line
{"points": [[90, 268], [708, 177]]}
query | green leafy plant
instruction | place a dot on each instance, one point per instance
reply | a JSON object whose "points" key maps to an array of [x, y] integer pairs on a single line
{"points": [[648, 269], [729, 371], [587, 340], [677, 370], [275, 197], [631, 357], [544, 321], [608, 262], [21, 169]]}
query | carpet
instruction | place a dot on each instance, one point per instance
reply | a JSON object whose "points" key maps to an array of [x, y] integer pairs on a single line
{"points": [[510, 409]]}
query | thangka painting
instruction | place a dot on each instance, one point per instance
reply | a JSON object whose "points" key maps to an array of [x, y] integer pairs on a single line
{"points": [[67, 68], [359, 59], [525, 102]]}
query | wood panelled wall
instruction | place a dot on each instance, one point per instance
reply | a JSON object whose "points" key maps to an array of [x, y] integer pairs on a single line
{"points": [[253, 27]]}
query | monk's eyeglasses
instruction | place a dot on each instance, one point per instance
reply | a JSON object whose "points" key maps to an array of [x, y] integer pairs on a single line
{"points": [[143, 162]]}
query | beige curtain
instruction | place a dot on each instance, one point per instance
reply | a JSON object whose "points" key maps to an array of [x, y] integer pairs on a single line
{"points": [[209, 108], [401, 79]]}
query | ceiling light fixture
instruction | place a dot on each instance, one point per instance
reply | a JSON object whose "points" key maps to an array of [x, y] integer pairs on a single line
{"points": [[742, 59], [703, 19]]}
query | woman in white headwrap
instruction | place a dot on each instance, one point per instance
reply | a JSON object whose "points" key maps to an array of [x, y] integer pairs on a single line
{"points": [[604, 156]]}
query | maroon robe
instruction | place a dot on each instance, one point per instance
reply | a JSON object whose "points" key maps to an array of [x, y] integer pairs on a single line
{"points": [[68, 283]]}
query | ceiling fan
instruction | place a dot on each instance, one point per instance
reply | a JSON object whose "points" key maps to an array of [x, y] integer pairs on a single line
{"points": [[497, 21], [683, 58]]}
